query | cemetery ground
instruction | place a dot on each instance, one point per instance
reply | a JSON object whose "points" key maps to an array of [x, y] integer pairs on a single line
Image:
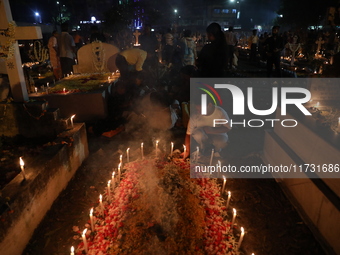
{"points": [[272, 224]]}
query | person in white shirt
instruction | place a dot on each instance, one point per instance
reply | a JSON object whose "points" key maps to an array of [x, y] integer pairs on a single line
{"points": [[67, 49], [202, 131], [231, 40]]}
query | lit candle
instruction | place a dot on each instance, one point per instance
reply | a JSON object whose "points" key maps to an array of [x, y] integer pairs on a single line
{"points": [[72, 120], [113, 73], [113, 181], [172, 149], [234, 218], [22, 166], [109, 189], [223, 187], [64, 90], [72, 250], [185, 151], [228, 200], [121, 159], [119, 165], [36, 90], [156, 147], [339, 121], [212, 156], [128, 155], [84, 239], [39, 75], [48, 85], [101, 204], [241, 238], [108, 78], [91, 219], [68, 75], [142, 150]]}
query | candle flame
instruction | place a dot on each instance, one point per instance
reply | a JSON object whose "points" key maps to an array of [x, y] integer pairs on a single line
{"points": [[72, 249], [242, 231], [224, 179], [253, 254], [198, 148], [119, 166], [113, 174], [185, 147], [127, 150], [141, 145], [157, 142], [100, 198], [84, 232], [91, 211], [229, 193], [120, 157], [22, 163], [234, 211], [73, 116], [109, 182]]}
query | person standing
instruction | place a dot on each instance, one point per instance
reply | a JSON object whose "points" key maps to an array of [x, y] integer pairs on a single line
{"points": [[231, 40], [253, 42], [67, 50], [273, 47], [212, 60], [54, 55], [189, 45]]}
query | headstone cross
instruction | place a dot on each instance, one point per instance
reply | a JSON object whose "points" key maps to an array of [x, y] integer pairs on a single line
{"points": [[319, 42], [137, 34], [14, 64]]}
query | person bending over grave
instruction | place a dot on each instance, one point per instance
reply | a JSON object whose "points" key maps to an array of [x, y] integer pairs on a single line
{"points": [[202, 131], [129, 62]]}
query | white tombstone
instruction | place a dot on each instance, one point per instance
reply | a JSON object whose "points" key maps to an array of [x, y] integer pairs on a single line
{"points": [[14, 64], [96, 57]]}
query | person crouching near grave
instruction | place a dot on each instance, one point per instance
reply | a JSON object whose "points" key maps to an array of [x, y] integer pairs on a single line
{"points": [[201, 128], [129, 62]]}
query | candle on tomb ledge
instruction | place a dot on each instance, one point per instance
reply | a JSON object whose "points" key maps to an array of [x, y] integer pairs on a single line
{"points": [[234, 218], [64, 90], [68, 75], [228, 200], [72, 117], [157, 147], [72, 250], [128, 155], [47, 84], [212, 156], [241, 238], [121, 159], [113, 181], [172, 149], [22, 166], [101, 204], [119, 166], [142, 150], [36, 90], [185, 152], [223, 187], [84, 239], [91, 219], [109, 189], [71, 73]]}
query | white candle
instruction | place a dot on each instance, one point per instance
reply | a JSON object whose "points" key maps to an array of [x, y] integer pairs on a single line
{"points": [[64, 90], [241, 238], [142, 150], [68, 75], [212, 156], [72, 250], [109, 189], [128, 155], [22, 166], [84, 239], [185, 151], [234, 218], [48, 85], [108, 78], [121, 159], [223, 187], [156, 147], [113, 73], [36, 90], [339, 121], [71, 73], [91, 219], [101, 204], [119, 165], [72, 117], [228, 200], [113, 181], [172, 149]]}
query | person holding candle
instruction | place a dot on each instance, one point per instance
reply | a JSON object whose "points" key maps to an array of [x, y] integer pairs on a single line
{"points": [[200, 129]]}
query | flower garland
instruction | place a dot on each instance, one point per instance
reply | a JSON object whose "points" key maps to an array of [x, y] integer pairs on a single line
{"points": [[7, 50], [98, 55], [42, 54]]}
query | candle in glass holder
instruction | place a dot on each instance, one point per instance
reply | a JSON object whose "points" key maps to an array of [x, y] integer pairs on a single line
{"points": [[84, 239], [91, 219], [128, 155], [22, 166]]}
